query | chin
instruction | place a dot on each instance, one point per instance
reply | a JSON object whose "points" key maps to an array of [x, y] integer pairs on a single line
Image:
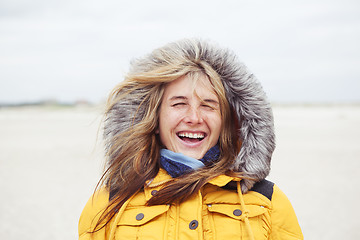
{"points": [[196, 155]]}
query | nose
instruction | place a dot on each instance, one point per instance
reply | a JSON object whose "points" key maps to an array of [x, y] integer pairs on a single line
{"points": [[193, 116]]}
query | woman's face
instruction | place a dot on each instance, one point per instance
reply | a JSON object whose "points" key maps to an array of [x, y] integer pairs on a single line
{"points": [[189, 118]]}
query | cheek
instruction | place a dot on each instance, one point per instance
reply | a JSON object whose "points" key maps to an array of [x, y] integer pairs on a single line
{"points": [[167, 122]]}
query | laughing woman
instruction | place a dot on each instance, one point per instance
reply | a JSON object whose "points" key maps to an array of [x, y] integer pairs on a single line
{"points": [[189, 136]]}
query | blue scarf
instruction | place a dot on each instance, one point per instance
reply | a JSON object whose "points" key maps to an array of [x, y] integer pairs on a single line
{"points": [[177, 164]]}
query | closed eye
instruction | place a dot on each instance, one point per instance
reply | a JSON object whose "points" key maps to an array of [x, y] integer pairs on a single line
{"points": [[208, 106], [177, 101], [178, 104], [210, 102]]}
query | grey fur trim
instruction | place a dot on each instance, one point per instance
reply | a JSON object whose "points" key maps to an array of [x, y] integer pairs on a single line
{"points": [[253, 110], [244, 94]]}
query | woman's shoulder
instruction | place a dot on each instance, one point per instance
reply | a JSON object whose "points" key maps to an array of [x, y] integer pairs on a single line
{"points": [[272, 192], [93, 209], [284, 220], [285, 224], [263, 188], [98, 200], [265, 191]]}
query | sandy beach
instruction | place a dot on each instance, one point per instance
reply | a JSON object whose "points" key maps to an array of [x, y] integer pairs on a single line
{"points": [[51, 159]]}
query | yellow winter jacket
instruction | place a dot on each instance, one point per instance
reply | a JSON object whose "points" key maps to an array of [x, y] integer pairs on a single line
{"points": [[215, 212]]}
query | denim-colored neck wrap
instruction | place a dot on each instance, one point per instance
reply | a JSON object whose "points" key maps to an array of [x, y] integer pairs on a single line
{"points": [[177, 164]]}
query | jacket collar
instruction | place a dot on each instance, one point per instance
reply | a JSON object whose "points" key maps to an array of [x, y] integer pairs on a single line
{"points": [[163, 177]]}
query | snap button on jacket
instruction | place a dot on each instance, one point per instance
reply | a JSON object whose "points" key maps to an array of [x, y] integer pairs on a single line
{"points": [[211, 213]]}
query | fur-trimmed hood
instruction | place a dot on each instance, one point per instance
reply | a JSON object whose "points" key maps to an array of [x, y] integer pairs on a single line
{"points": [[245, 95]]}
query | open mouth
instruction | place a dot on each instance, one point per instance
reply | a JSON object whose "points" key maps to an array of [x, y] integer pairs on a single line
{"points": [[191, 137]]}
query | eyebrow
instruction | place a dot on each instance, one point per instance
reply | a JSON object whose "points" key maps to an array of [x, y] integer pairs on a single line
{"points": [[178, 98]]}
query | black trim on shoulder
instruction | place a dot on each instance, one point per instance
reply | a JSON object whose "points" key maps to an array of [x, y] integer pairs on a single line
{"points": [[264, 187], [230, 186]]}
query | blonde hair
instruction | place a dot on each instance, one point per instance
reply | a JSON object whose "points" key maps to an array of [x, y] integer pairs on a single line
{"points": [[133, 148]]}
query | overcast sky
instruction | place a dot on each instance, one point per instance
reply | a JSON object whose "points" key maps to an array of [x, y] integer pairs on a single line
{"points": [[302, 51]]}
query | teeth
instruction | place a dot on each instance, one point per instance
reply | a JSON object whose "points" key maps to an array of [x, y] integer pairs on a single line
{"points": [[191, 135]]}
